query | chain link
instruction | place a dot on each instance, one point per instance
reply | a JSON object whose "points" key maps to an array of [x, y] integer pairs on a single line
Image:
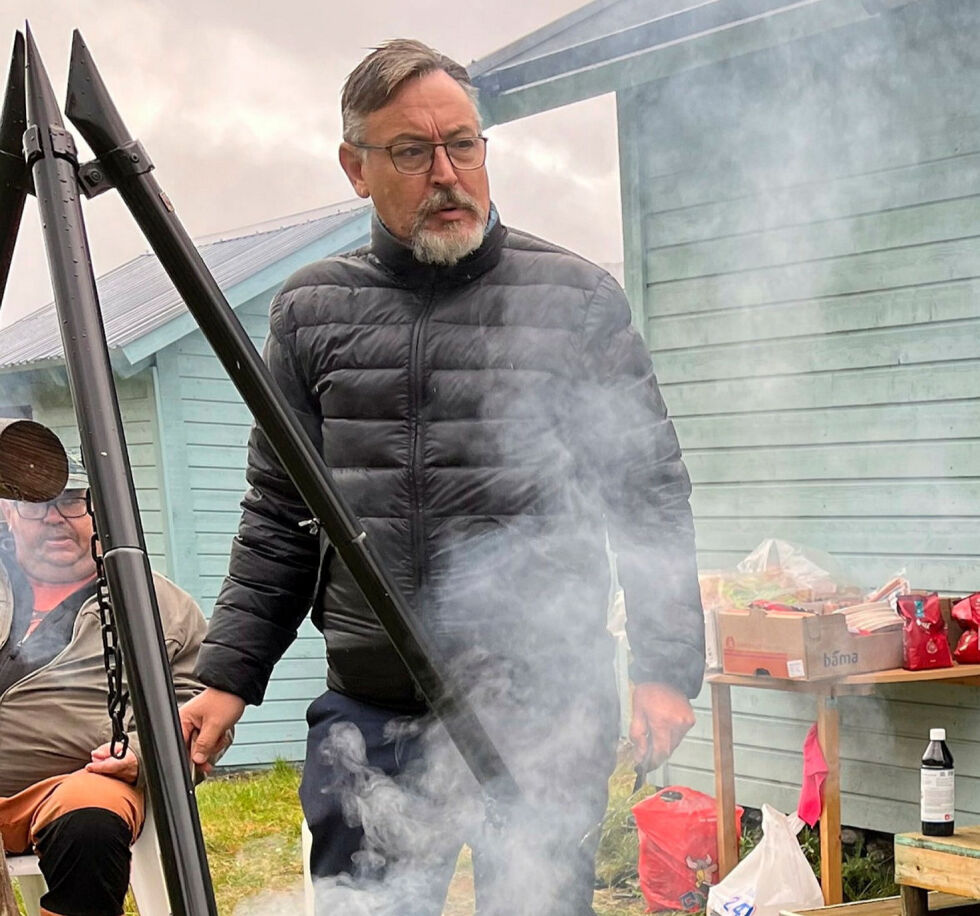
{"points": [[118, 696]]}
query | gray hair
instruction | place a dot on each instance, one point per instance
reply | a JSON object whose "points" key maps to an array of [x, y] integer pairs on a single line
{"points": [[376, 79]]}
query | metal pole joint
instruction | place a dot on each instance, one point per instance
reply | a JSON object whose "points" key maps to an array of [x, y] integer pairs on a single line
{"points": [[33, 149], [60, 144], [102, 174]]}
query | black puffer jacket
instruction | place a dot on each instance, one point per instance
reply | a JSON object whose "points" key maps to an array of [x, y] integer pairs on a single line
{"points": [[488, 423]]}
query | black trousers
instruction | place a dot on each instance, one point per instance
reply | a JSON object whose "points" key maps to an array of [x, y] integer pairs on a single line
{"points": [[363, 760], [85, 858]]}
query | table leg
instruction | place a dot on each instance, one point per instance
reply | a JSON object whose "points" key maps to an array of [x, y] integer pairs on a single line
{"points": [[721, 719], [828, 731], [915, 901]]}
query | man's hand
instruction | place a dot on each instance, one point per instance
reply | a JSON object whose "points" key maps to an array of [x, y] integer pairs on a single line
{"points": [[125, 768], [662, 716], [206, 722]]}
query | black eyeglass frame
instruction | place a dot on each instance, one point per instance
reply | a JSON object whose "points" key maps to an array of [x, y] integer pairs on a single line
{"points": [[57, 503], [432, 149]]}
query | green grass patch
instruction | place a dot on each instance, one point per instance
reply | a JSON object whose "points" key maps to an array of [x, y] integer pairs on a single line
{"points": [[251, 825]]}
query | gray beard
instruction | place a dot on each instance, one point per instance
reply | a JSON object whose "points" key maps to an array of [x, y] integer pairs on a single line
{"points": [[448, 247]]}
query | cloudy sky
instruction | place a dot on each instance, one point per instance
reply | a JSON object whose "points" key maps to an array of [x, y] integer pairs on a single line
{"points": [[237, 105]]}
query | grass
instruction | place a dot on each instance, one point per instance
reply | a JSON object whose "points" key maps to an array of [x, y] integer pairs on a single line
{"points": [[618, 842], [251, 825]]}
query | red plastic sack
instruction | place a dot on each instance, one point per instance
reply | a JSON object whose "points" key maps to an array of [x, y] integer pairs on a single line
{"points": [[678, 848], [924, 632], [967, 614]]}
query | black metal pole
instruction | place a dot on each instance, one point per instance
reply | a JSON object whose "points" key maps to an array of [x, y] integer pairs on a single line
{"points": [[49, 149], [91, 109], [13, 169]]}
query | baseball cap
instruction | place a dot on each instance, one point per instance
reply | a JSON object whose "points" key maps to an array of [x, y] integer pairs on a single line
{"points": [[77, 475]]}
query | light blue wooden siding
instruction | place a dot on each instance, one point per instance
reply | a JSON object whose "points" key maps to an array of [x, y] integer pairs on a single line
{"points": [[206, 433], [809, 255], [882, 739], [51, 403]]}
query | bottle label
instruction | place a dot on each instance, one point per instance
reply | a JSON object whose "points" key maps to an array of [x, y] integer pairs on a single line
{"points": [[937, 795]]}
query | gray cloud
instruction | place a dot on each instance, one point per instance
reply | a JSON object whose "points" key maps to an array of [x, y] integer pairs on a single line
{"points": [[237, 104]]}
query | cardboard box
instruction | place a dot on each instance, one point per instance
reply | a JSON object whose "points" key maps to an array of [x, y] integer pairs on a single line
{"points": [[802, 646]]}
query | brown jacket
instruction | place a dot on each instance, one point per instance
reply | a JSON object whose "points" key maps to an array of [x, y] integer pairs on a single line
{"points": [[52, 719]]}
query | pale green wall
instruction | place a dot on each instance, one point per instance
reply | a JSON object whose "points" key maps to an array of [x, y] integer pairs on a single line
{"points": [[803, 245], [205, 430], [50, 400]]}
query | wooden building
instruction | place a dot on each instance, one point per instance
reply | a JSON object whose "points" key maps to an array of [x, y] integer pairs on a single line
{"points": [[186, 426], [801, 211]]}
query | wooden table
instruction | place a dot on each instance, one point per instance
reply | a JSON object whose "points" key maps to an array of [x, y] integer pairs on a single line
{"points": [[826, 693]]}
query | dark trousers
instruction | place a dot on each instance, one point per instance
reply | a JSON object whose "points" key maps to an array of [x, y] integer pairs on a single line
{"points": [[509, 867], [81, 825]]}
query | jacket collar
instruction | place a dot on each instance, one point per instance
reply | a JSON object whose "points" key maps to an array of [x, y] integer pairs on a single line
{"points": [[397, 258], [17, 598]]}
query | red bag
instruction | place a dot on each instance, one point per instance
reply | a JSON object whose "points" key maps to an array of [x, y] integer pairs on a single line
{"points": [[678, 848], [924, 640], [967, 614]]}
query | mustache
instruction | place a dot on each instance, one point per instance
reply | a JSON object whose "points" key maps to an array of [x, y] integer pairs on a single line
{"points": [[440, 200], [60, 534]]}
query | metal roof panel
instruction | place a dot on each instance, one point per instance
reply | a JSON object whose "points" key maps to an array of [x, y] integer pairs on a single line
{"points": [[138, 297]]}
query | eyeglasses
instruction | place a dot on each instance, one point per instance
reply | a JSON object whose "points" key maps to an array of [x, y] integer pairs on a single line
{"points": [[415, 157], [68, 506]]}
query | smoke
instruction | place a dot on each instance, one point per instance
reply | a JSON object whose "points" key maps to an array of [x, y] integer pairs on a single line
{"points": [[516, 599], [808, 268]]}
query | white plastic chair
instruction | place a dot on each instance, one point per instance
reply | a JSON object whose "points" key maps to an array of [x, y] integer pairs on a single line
{"points": [[309, 904], [145, 879]]}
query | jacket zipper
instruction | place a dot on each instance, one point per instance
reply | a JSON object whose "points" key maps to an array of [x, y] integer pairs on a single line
{"points": [[417, 380]]}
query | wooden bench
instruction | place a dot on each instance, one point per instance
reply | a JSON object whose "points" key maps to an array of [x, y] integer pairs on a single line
{"points": [[950, 864], [949, 904]]}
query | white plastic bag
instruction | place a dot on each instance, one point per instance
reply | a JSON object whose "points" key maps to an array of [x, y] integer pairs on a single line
{"points": [[774, 876]]}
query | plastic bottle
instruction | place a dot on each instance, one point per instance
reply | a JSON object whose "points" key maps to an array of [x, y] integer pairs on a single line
{"points": [[936, 786]]}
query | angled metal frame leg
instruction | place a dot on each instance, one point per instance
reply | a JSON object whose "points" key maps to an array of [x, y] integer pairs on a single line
{"points": [[50, 153]]}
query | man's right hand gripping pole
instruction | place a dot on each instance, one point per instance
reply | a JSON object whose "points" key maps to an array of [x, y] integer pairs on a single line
{"points": [[207, 722]]}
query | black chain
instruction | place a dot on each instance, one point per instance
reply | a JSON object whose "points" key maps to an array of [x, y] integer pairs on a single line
{"points": [[118, 696]]}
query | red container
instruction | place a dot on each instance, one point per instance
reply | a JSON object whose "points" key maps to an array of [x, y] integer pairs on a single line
{"points": [[678, 848]]}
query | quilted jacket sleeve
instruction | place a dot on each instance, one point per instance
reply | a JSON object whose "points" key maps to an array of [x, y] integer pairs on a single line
{"points": [[636, 462], [273, 566]]}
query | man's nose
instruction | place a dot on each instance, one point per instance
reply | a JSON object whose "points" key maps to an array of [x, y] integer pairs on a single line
{"points": [[442, 172], [53, 516]]}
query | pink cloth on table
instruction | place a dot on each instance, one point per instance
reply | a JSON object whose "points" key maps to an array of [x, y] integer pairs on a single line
{"points": [[814, 774]]}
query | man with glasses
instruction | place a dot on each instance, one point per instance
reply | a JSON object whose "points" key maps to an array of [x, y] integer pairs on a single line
{"points": [[62, 792], [489, 415]]}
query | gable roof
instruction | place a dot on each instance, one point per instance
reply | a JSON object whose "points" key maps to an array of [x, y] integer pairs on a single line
{"points": [[138, 298], [609, 45]]}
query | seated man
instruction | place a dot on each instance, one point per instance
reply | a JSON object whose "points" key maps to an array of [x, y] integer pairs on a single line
{"points": [[62, 794]]}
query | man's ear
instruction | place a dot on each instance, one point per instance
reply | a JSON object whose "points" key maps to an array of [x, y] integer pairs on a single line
{"points": [[352, 162]]}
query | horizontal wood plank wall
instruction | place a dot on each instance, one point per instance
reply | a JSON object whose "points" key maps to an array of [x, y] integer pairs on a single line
{"points": [[811, 251], [213, 437], [53, 407], [882, 740]]}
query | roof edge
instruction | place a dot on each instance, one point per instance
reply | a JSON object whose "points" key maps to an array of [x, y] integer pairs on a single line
{"points": [[563, 77], [496, 58], [340, 238], [284, 222]]}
